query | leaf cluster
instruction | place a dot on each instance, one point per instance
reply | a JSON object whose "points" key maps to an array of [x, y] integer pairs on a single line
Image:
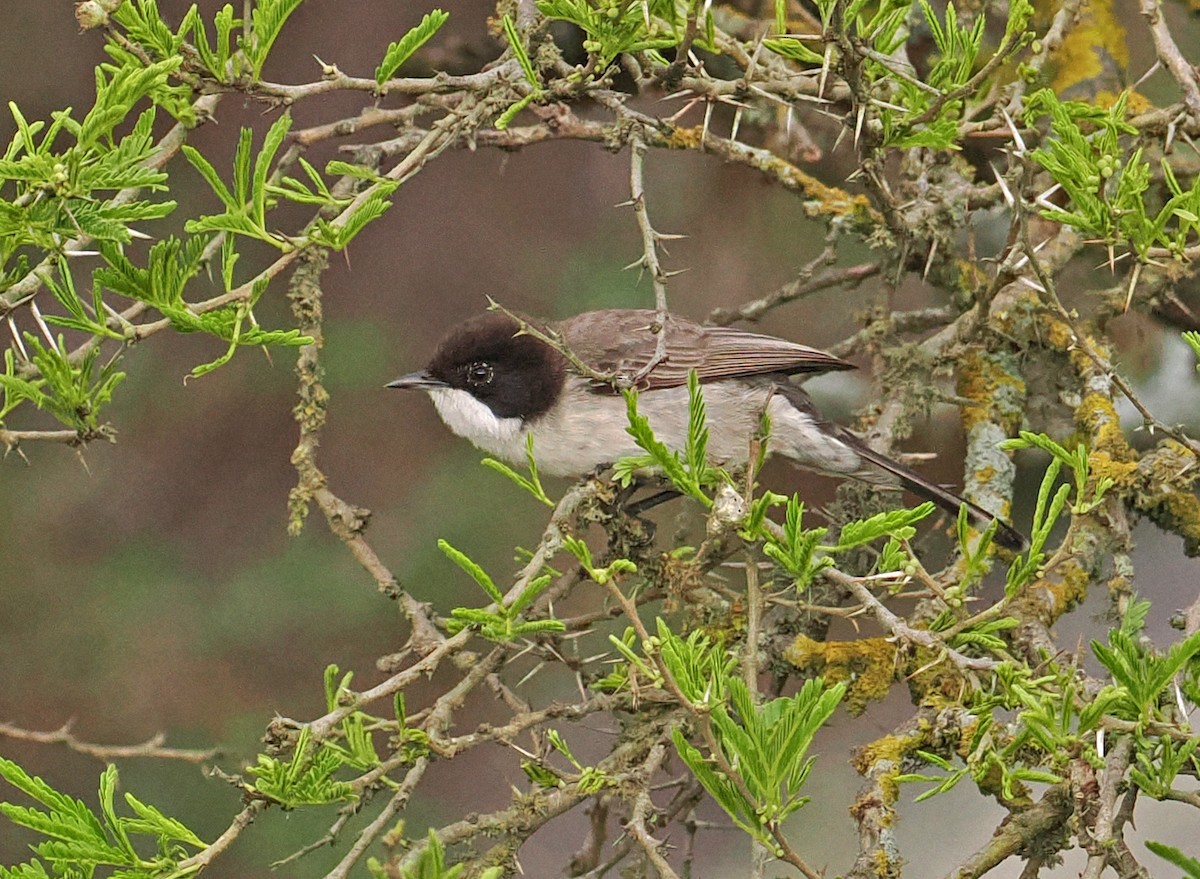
{"points": [[802, 552], [1108, 184], [431, 865], [688, 470], [79, 841], [615, 27], [308, 776], [766, 746], [72, 179], [73, 392], [586, 779], [499, 622]]}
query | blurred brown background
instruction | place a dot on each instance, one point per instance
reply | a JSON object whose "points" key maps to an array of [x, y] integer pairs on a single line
{"points": [[149, 585]]}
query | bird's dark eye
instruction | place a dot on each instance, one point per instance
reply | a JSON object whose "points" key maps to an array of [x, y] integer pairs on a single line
{"points": [[480, 373]]}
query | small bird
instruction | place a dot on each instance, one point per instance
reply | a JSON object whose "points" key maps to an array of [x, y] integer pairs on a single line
{"points": [[495, 384]]}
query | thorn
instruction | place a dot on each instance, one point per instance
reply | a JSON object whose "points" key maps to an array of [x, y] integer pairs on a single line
{"points": [[533, 671], [41, 322], [1109, 262], [825, 65], [737, 121], [837, 141], [750, 67], [1154, 68], [1137, 271], [12, 328], [1012, 127], [759, 90], [929, 260], [1044, 198], [1004, 190]]}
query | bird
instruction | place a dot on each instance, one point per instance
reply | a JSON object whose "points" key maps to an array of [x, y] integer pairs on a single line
{"points": [[496, 380]]}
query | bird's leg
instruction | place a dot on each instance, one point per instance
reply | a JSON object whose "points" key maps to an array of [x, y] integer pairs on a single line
{"points": [[648, 503]]}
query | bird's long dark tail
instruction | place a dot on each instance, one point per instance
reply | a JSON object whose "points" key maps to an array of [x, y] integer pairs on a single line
{"points": [[1006, 535]]}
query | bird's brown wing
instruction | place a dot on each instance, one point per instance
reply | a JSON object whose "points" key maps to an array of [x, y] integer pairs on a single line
{"points": [[620, 342]]}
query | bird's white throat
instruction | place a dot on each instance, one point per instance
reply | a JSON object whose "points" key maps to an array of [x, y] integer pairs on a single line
{"points": [[473, 420]]}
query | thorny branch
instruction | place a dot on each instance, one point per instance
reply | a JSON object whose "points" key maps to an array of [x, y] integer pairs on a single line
{"points": [[650, 244]]}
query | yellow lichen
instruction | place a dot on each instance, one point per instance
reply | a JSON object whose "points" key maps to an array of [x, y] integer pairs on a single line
{"points": [[1054, 594], [881, 761], [868, 666], [1179, 512], [1101, 425], [996, 394], [686, 138], [1095, 49], [1056, 333]]}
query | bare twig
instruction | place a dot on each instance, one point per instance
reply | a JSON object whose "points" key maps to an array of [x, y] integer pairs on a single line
{"points": [[900, 629], [643, 808], [382, 821], [152, 747], [804, 285], [1183, 72]]}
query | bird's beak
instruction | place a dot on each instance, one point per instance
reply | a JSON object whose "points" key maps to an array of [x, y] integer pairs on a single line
{"points": [[422, 381]]}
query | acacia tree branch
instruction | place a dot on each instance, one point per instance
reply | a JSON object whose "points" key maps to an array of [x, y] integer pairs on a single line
{"points": [[152, 747], [650, 244], [1168, 52], [643, 808], [902, 630]]}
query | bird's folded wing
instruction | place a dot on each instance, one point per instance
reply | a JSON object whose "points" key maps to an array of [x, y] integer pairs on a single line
{"points": [[627, 344]]}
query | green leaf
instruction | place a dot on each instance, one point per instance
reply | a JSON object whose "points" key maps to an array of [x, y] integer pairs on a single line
{"points": [[153, 822], [1173, 856], [533, 483], [505, 119], [399, 52], [518, 49], [431, 863], [268, 19], [894, 522], [262, 165], [210, 175], [478, 574]]}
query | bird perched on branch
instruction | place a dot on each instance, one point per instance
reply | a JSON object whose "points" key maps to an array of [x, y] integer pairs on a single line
{"points": [[495, 380]]}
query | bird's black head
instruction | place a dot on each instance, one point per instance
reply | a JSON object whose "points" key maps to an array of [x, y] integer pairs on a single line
{"points": [[516, 376]]}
